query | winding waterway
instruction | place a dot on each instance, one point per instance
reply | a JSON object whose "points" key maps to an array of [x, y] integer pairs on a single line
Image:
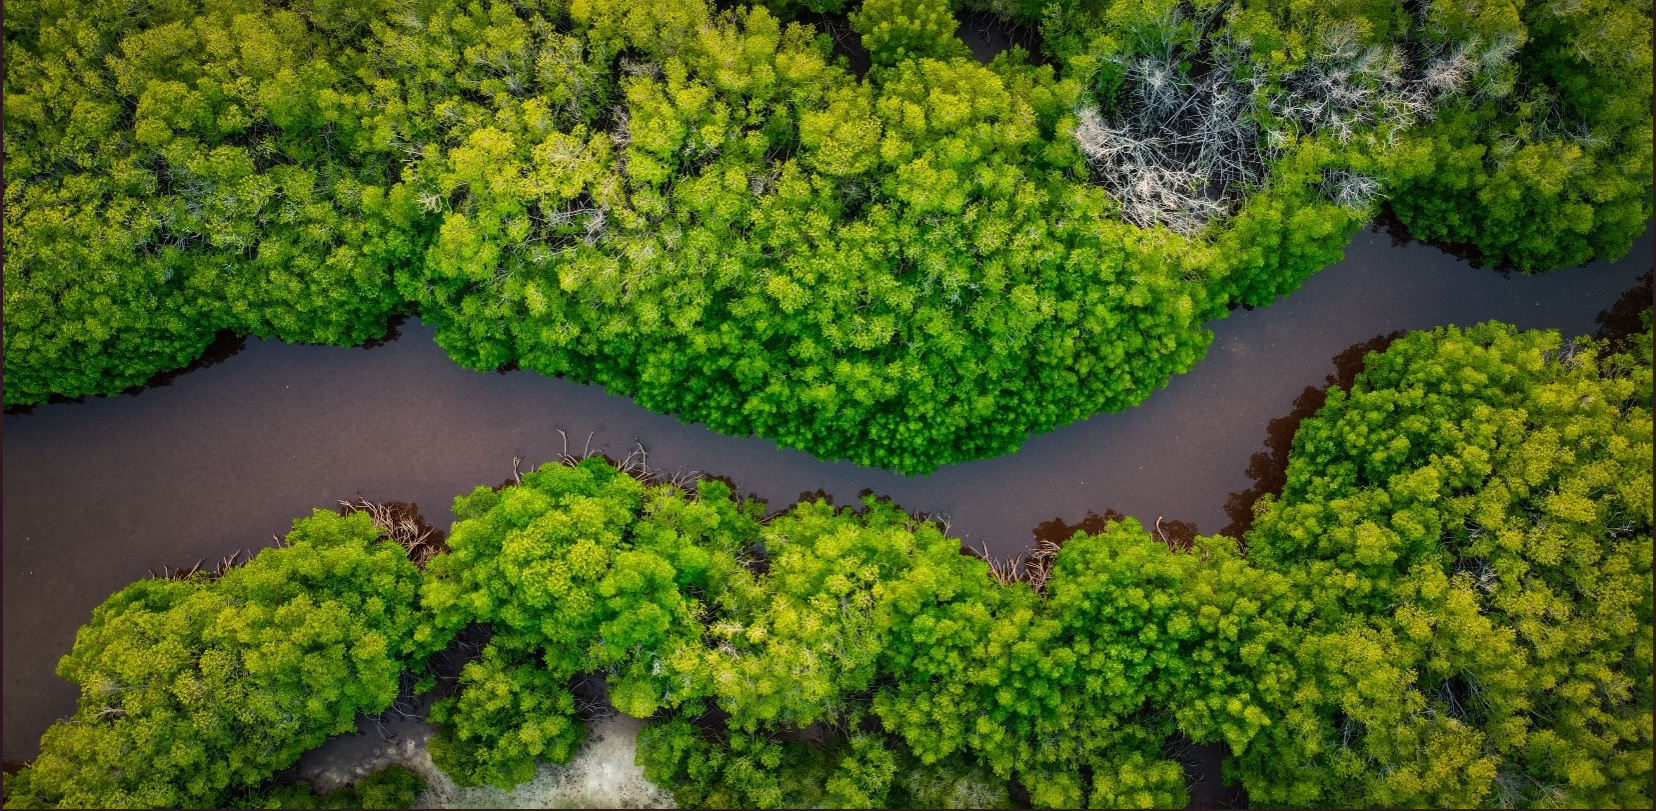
{"points": [[102, 492]]}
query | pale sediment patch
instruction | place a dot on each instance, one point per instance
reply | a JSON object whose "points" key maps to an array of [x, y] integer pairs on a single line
{"points": [[601, 775]]}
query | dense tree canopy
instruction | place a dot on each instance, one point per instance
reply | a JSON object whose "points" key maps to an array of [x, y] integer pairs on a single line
{"points": [[391, 787], [577, 570], [174, 172], [195, 691], [1551, 173], [1472, 522], [1448, 604], [698, 206]]}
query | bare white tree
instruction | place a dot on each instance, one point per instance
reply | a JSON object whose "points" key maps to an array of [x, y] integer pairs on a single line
{"points": [[1353, 190], [1188, 136], [1175, 147]]}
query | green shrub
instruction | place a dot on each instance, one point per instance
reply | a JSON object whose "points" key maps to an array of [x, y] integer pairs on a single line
{"points": [[192, 690], [693, 206], [1473, 524], [391, 787]]}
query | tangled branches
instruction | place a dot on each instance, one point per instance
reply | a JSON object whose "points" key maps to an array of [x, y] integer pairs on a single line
{"points": [[1347, 87], [401, 522], [226, 563], [1353, 190], [592, 697], [1188, 136], [635, 464], [1036, 569], [1004, 571], [1179, 150]]}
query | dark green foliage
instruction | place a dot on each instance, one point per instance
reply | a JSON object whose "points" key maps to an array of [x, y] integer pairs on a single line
{"points": [[1473, 525], [193, 690], [175, 173], [1557, 172], [854, 612], [953, 783], [579, 569], [1132, 641], [512, 711], [819, 615], [1448, 605], [391, 787], [869, 663], [895, 30], [694, 206], [977, 682], [1197, 634], [759, 771], [763, 244]]}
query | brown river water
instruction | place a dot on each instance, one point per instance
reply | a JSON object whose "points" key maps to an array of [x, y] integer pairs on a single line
{"points": [[102, 492]]}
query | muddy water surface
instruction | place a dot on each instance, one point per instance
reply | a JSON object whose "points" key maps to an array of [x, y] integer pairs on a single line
{"points": [[99, 493]]}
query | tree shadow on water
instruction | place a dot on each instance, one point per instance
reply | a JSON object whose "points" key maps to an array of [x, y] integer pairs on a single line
{"points": [[1269, 468], [1178, 535], [1387, 220], [1623, 319]]}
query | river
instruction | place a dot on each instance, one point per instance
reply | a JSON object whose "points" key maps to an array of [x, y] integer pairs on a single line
{"points": [[102, 492]]}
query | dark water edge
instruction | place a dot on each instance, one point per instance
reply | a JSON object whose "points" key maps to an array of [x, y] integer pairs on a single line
{"points": [[984, 34], [100, 493]]}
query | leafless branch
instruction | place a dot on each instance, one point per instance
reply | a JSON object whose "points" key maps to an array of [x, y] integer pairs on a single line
{"points": [[1180, 147]]}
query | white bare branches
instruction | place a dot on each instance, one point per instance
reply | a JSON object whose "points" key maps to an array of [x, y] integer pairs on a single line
{"points": [[592, 219], [1346, 87], [1179, 145], [1188, 135], [401, 523], [621, 133], [1141, 171], [1035, 569], [1352, 190]]}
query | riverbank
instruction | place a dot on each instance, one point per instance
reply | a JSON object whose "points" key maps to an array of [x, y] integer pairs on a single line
{"points": [[102, 492]]}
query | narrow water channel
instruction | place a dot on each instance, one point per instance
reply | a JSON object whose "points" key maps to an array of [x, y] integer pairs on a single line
{"points": [[102, 492]]}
